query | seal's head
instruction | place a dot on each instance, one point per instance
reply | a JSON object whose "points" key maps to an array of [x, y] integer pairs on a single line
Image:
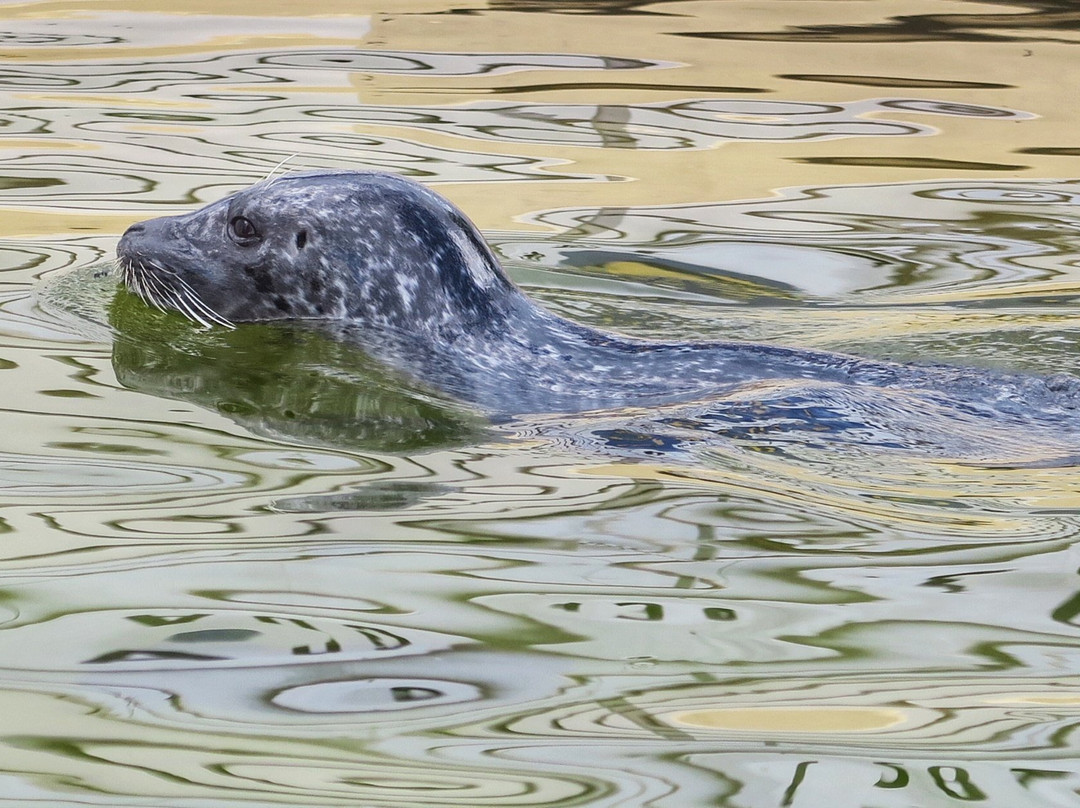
{"points": [[368, 248]]}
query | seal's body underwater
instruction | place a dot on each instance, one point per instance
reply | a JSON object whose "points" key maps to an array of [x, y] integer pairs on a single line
{"points": [[387, 263]]}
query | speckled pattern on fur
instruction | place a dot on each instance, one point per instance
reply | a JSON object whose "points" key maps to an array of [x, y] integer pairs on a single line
{"points": [[387, 263]]}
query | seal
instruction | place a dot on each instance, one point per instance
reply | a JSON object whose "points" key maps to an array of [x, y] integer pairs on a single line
{"points": [[389, 264]]}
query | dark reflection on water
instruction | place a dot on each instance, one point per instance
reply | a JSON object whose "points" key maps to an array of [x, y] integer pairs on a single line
{"points": [[389, 495], [894, 81], [50, 39], [1039, 23], [910, 162], [602, 7], [282, 382], [1059, 151]]}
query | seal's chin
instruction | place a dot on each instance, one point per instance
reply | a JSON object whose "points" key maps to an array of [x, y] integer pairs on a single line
{"points": [[164, 288]]}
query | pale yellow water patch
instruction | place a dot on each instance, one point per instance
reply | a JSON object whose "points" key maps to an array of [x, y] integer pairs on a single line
{"points": [[23, 146], [761, 65], [792, 719], [939, 479], [140, 101], [1051, 488], [736, 173], [666, 178], [1048, 699], [30, 223]]}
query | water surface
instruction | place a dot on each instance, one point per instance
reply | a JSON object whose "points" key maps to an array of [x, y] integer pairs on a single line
{"points": [[255, 568]]}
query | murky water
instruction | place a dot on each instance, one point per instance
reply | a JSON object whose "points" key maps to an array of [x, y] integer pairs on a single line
{"points": [[256, 568]]}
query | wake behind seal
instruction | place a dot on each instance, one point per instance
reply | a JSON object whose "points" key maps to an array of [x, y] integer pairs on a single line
{"points": [[389, 264]]}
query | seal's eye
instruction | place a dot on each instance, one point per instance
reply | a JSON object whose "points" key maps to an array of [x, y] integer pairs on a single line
{"points": [[301, 239], [243, 231]]}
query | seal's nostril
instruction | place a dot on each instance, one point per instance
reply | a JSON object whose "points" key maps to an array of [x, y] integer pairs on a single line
{"points": [[136, 233], [132, 240]]}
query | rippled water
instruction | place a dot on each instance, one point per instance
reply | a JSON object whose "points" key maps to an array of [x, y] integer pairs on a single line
{"points": [[257, 568]]}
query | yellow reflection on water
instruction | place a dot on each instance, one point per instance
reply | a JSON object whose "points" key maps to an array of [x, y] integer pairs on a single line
{"points": [[1064, 700], [792, 719]]}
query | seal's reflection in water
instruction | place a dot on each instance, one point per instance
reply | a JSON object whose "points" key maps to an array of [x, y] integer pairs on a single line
{"points": [[283, 381], [286, 380]]}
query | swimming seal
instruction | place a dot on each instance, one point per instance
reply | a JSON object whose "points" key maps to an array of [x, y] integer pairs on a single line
{"points": [[388, 263]]}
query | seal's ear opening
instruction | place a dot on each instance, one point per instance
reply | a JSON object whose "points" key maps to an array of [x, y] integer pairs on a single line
{"points": [[301, 239]]}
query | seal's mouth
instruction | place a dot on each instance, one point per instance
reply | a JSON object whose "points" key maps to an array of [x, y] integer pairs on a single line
{"points": [[162, 287]]}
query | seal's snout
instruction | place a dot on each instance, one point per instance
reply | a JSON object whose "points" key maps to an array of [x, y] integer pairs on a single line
{"points": [[129, 242], [144, 241], [149, 268]]}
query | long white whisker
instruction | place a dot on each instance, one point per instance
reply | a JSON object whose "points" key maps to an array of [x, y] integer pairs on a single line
{"points": [[178, 300], [183, 305], [151, 289], [158, 288], [182, 301], [169, 298], [163, 288], [149, 262], [130, 275], [201, 304], [269, 177]]}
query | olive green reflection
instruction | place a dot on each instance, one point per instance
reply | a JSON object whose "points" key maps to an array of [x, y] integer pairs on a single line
{"points": [[282, 380]]}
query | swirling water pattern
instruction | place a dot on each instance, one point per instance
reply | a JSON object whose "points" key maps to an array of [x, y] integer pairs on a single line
{"points": [[255, 568]]}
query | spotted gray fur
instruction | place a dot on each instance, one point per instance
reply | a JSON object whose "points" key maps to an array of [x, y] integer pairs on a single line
{"points": [[390, 264]]}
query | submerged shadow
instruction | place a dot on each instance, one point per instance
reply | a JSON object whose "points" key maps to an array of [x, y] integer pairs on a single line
{"points": [[283, 381]]}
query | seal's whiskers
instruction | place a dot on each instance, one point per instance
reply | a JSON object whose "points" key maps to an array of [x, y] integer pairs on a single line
{"points": [[182, 297], [269, 178], [198, 304], [165, 290], [135, 277], [187, 302]]}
